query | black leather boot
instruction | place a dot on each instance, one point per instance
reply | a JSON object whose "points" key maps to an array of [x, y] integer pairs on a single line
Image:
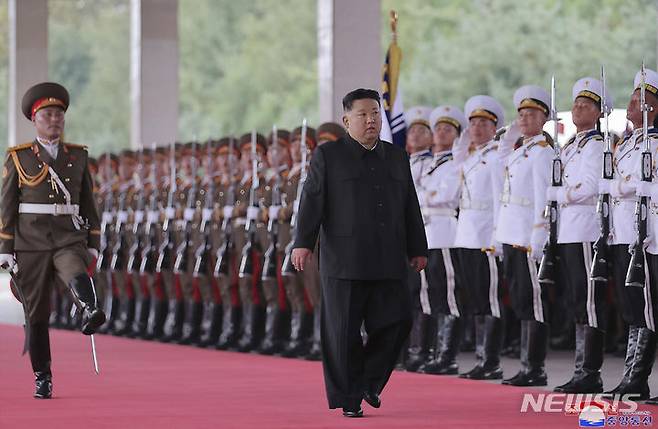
{"points": [[315, 353], [83, 291], [157, 319], [110, 306], [480, 332], [417, 352], [271, 341], [628, 361], [448, 338], [641, 366], [587, 378], [39, 347], [213, 325], [299, 328], [140, 323], [578, 359], [230, 328], [174, 323], [252, 333], [123, 326], [493, 341], [533, 374], [192, 324]]}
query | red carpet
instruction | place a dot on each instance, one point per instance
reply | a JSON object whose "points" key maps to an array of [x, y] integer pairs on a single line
{"points": [[152, 385]]}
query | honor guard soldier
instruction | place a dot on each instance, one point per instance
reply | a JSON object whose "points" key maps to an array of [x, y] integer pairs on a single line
{"points": [[635, 301], [438, 196], [50, 226], [250, 238], [522, 227], [302, 288], [329, 132], [278, 235], [419, 144], [581, 159], [479, 252]]}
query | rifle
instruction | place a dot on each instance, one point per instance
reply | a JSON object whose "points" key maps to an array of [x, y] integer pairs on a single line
{"points": [[599, 271], [183, 250], [270, 257], [149, 257], [120, 248], [105, 255], [166, 257], [203, 253], [224, 252], [247, 262], [287, 269], [135, 258], [635, 275], [546, 273]]}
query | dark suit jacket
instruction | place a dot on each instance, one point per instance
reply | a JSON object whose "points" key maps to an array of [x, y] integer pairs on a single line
{"points": [[365, 208]]}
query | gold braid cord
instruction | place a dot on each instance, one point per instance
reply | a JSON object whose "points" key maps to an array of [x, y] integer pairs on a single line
{"points": [[26, 179]]}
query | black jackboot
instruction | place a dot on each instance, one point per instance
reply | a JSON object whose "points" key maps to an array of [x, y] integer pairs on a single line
{"points": [[39, 347], [253, 328], [448, 338], [157, 319], [417, 352], [631, 343], [272, 342], [533, 355], [299, 329], [123, 326], [212, 325], [192, 324], [589, 359], [315, 353], [230, 328], [140, 323], [493, 341], [479, 325], [174, 322], [641, 366], [84, 293]]}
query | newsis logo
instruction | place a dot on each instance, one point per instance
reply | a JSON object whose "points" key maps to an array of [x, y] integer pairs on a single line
{"points": [[589, 407]]}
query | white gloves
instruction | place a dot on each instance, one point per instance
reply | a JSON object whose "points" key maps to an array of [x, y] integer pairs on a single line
{"points": [[513, 133], [495, 249], [8, 262], [617, 188], [536, 251], [93, 252]]}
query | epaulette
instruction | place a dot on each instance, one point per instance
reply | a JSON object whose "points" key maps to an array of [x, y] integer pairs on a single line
{"points": [[489, 149], [75, 146], [20, 147], [543, 143]]}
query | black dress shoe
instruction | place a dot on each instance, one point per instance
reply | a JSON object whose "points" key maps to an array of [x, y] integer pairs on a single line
{"points": [[44, 386], [536, 377], [372, 399], [92, 319], [347, 412]]}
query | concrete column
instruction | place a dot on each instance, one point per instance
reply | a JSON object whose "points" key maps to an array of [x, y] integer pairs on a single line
{"points": [[28, 61], [153, 72], [349, 51]]}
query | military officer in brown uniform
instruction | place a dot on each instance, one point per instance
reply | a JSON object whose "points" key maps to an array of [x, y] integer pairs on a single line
{"points": [[49, 224]]}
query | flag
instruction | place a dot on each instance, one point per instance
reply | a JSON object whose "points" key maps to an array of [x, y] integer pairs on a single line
{"points": [[394, 129]]}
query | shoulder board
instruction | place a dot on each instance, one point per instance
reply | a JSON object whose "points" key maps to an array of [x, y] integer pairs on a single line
{"points": [[20, 147], [489, 149], [570, 141], [75, 146], [592, 135]]}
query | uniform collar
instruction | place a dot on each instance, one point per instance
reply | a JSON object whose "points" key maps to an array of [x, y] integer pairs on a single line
{"points": [[534, 139], [359, 151]]}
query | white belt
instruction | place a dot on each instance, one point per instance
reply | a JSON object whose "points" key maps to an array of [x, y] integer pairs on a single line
{"points": [[513, 199], [437, 211], [51, 209], [588, 202], [466, 204]]}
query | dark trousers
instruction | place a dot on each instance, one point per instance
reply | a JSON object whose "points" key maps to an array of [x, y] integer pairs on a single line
{"points": [[442, 284], [528, 299], [480, 274], [635, 303], [350, 366], [585, 298]]}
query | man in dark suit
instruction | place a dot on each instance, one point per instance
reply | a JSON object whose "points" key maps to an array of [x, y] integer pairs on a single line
{"points": [[360, 197]]}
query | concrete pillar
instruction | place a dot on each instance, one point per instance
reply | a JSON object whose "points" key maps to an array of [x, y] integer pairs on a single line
{"points": [[28, 61], [153, 72], [349, 51]]}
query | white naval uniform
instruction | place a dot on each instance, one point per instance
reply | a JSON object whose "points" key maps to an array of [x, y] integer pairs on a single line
{"points": [[579, 225], [419, 161], [527, 174], [521, 222], [475, 226]]}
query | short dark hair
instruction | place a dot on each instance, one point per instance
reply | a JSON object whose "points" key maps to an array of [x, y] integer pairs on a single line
{"points": [[359, 94]]}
